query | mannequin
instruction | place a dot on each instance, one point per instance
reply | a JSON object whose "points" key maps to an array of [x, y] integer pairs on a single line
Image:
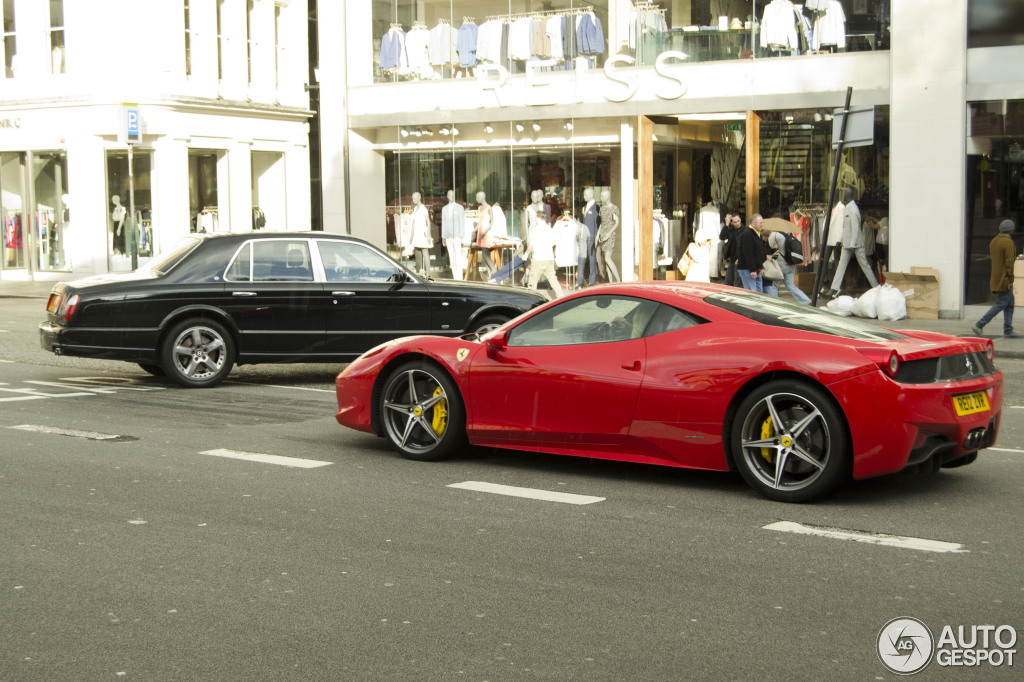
{"points": [[422, 242], [535, 212], [592, 220], [606, 238], [484, 238], [453, 227], [853, 244], [117, 218]]}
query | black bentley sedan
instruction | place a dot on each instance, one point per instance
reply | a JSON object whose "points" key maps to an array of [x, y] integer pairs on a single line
{"points": [[215, 300]]}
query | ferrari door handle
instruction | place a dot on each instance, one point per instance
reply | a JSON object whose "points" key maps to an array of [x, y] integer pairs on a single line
{"points": [[243, 293], [343, 293], [632, 366]]}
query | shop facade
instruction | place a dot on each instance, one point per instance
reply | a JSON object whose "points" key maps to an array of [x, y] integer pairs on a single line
{"points": [[676, 106], [221, 139]]}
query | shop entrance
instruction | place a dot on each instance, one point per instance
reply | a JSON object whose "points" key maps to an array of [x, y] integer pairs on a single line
{"points": [[34, 211]]}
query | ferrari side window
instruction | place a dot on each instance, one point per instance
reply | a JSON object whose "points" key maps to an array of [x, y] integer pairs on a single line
{"points": [[594, 319], [669, 319]]}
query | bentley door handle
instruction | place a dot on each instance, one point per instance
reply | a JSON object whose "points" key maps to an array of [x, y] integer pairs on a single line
{"points": [[243, 293], [343, 293]]}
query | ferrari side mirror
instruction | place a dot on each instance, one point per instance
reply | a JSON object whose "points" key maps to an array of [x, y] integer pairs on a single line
{"points": [[497, 342]]}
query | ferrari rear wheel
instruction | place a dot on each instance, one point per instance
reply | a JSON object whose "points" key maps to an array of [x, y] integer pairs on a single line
{"points": [[789, 442], [422, 412]]}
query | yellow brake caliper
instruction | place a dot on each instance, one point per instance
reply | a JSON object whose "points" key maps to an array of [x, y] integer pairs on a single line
{"points": [[766, 432], [440, 421]]}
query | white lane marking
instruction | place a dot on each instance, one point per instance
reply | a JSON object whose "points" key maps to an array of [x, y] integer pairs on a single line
{"points": [[1016, 407], [530, 493], [266, 459], [301, 388], [91, 435], [10, 362], [871, 538], [1004, 449]]}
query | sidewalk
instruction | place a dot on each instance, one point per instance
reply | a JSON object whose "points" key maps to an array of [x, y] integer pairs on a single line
{"points": [[1005, 348]]}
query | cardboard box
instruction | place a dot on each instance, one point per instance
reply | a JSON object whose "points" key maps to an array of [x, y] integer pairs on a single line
{"points": [[805, 282], [921, 288]]}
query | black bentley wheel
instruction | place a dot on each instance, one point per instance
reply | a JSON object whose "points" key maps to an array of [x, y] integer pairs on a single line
{"points": [[789, 442], [198, 353], [422, 412], [488, 323]]}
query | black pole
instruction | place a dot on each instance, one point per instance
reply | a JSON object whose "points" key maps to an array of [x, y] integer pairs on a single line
{"points": [[831, 194]]}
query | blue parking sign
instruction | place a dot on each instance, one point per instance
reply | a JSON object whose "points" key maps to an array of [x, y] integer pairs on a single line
{"points": [[133, 132]]}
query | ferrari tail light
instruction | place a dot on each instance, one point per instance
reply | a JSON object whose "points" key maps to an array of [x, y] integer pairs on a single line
{"points": [[893, 366], [887, 359], [70, 308], [990, 349]]}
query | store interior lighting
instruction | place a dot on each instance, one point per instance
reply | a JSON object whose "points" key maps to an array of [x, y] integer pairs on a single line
{"points": [[817, 117], [568, 124], [519, 127], [444, 130], [454, 130], [418, 132], [488, 129], [404, 132], [536, 127]]}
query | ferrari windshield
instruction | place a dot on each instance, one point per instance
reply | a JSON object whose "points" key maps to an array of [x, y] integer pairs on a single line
{"points": [[779, 313]]}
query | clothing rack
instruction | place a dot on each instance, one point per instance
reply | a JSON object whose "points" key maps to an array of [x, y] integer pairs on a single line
{"points": [[469, 20], [544, 13]]}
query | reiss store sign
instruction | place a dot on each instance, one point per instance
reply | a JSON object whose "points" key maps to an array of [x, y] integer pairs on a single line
{"points": [[542, 87]]}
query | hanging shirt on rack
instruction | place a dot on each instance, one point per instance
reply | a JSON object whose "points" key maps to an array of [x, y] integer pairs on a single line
{"points": [[466, 44], [553, 27], [830, 27], [589, 34], [778, 26], [441, 50], [392, 49]]}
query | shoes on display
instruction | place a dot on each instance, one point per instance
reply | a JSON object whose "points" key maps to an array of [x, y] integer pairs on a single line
{"points": [[976, 330]]}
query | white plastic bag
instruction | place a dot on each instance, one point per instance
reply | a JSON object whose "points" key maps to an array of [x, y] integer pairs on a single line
{"points": [[841, 306], [891, 304], [866, 304]]}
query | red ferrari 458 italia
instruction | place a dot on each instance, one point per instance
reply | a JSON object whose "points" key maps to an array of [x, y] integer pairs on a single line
{"points": [[798, 400]]}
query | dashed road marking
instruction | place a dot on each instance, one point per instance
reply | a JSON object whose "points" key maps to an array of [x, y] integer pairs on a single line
{"points": [[530, 493], [56, 430], [1005, 450], [266, 459], [871, 538]]}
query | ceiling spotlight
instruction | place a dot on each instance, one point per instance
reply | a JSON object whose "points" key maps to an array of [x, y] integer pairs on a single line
{"points": [[817, 117], [418, 132], [455, 131], [488, 128], [404, 132], [568, 124], [536, 127], [519, 127], [828, 117], [444, 130], [789, 118]]}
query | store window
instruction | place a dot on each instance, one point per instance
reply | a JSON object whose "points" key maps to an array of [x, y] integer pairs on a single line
{"points": [[995, 186], [35, 216], [188, 39], [10, 41], [207, 190], [51, 219], [995, 23], [129, 236], [503, 178], [269, 191], [429, 41], [12, 209], [56, 36]]}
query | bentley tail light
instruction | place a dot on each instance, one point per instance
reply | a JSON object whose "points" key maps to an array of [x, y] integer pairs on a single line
{"points": [[53, 303], [70, 308]]}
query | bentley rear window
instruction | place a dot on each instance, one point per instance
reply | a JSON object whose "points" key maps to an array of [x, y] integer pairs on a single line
{"points": [[168, 259], [780, 313]]}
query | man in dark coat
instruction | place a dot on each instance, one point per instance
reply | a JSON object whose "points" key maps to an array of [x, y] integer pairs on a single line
{"points": [[1003, 252], [750, 255]]}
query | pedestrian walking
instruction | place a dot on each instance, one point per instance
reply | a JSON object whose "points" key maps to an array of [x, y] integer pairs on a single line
{"points": [[1003, 252]]}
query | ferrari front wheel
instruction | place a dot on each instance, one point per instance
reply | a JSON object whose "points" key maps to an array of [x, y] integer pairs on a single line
{"points": [[422, 412], [789, 442]]}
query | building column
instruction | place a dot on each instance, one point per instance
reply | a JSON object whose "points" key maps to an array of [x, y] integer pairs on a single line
{"points": [[88, 205], [753, 167], [927, 144], [645, 213], [627, 206]]}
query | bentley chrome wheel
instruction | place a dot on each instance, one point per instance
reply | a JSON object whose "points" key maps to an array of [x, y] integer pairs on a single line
{"points": [[199, 353]]}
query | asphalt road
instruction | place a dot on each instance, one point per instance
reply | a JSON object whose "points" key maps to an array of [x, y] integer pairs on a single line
{"points": [[132, 548]]}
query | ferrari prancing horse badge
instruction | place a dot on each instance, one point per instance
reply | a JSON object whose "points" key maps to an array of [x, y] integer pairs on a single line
{"points": [[461, 355]]}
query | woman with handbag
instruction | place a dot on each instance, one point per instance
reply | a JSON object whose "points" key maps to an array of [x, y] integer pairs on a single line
{"points": [[776, 245]]}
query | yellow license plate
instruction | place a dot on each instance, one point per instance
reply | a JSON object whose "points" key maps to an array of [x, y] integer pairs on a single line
{"points": [[970, 403]]}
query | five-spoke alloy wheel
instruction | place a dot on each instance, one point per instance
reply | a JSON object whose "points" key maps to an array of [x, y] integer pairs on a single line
{"points": [[422, 412], [789, 442], [198, 353]]}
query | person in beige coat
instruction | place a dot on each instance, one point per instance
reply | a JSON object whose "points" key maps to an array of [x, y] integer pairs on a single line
{"points": [[1003, 252]]}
